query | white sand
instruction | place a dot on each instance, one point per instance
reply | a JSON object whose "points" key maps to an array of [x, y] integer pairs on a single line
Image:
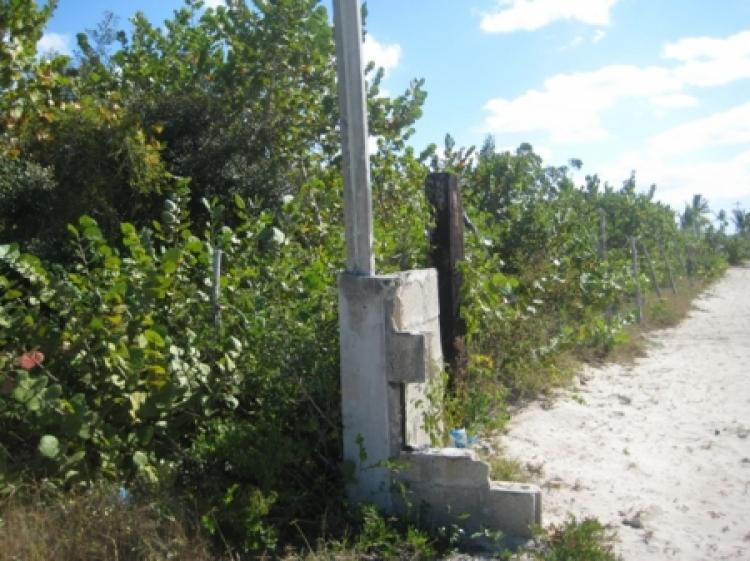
{"points": [[660, 449]]}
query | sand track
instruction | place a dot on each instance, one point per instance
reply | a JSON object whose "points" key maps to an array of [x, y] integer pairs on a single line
{"points": [[659, 449]]}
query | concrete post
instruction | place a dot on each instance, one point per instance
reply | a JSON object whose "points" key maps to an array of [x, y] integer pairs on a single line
{"points": [[390, 366], [356, 164], [390, 352]]}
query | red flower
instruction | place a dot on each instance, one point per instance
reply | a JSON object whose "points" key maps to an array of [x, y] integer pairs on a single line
{"points": [[29, 360]]}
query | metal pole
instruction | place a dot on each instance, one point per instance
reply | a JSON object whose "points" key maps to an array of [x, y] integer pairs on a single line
{"points": [[665, 258], [216, 288], [651, 270], [637, 278], [356, 164], [685, 267]]}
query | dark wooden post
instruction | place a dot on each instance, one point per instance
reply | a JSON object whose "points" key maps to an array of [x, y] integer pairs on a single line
{"points": [[446, 252]]}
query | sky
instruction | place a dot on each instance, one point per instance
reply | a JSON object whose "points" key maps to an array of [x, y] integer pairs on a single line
{"points": [[659, 87]]}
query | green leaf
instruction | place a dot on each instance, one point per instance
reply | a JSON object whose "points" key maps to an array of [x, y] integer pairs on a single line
{"points": [[140, 459], [154, 338], [49, 446]]}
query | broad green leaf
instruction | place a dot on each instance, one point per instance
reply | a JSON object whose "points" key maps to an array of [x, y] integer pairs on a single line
{"points": [[49, 446], [140, 459]]}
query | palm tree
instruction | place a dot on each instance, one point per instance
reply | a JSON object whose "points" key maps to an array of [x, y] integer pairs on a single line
{"points": [[723, 220], [694, 216], [741, 221]]}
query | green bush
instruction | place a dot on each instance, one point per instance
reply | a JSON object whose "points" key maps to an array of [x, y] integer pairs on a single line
{"points": [[573, 540]]}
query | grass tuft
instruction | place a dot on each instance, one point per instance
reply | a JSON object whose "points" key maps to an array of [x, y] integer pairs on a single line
{"points": [[573, 540], [92, 526]]}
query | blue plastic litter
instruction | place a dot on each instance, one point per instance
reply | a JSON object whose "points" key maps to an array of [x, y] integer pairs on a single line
{"points": [[124, 496], [459, 438]]}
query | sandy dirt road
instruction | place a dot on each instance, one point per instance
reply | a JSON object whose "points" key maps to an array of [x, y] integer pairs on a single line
{"points": [[660, 449]]}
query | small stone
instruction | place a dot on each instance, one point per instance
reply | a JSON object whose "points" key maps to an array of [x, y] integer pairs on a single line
{"points": [[634, 521]]}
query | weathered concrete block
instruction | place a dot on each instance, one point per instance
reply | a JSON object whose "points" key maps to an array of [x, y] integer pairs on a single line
{"points": [[416, 310], [390, 365], [452, 486], [408, 360], [515, 508], [453, 467], [369, 436], [390, 388]]}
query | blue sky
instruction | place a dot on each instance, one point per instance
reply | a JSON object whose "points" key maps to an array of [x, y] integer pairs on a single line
{"points": [[656, 86]]}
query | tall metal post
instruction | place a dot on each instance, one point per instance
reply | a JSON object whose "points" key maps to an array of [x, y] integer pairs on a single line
{"points": [[637, 278], [651, 270], [602, 234], [668, 265], [356, 164], [216, 288]]}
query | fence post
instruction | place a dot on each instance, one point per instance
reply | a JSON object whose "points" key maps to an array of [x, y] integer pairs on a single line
{"points": [[446, 252], [685, 268], [651, 270], [637, 278], [602, 234], [216, 288], [665, 258]]}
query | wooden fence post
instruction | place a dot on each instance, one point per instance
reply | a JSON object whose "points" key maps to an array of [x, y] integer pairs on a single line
{"points": [[637, 278], [446, 252], [665, 258], [651, 270]]}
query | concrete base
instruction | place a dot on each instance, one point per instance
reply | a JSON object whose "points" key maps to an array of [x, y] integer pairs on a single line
{"points": [[391, 385], [391, 367], [445, 486]]}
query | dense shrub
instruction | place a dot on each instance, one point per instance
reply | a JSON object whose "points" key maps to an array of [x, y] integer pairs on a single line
{"points": [[157, 150]]}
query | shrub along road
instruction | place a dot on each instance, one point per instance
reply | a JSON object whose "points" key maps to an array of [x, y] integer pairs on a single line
{"points": [[659, 449]]}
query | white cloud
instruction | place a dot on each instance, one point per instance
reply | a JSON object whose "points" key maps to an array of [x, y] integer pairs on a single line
{"points": [[213, 3], [728, 128], [598, 36], [54, 42], [708, 48], [673, 101], [569, 107], [528, 15], [674, 160], [385, 56], [722, 182], [707, 61]]}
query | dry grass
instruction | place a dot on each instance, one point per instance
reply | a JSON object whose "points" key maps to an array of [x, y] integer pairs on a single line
{"points": [[94, 526], [659, 313], [506, 469]]}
